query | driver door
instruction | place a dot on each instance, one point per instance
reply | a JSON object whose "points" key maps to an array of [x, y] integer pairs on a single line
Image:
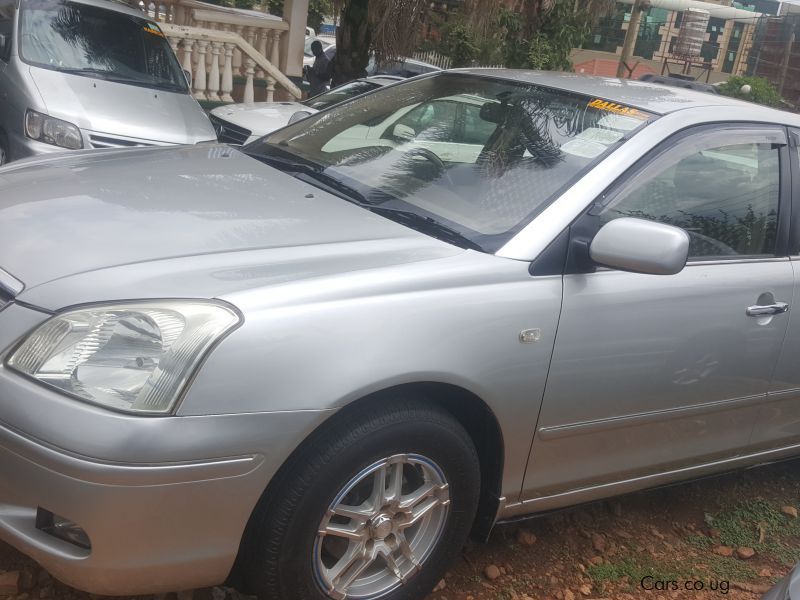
{"points": [[658, 374]]}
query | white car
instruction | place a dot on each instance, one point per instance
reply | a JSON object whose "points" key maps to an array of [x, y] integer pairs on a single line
{"points": [[243, 123]]}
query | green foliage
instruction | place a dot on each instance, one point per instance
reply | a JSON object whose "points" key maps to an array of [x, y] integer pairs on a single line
{"points": [[557, 32], [317, 11], [762, 91], [760, 525], [742, 524], [633, 571], [460, 46]]}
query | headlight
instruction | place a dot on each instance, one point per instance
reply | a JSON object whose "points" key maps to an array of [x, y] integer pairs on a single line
{"points": [[131, 357], [52, 131]]}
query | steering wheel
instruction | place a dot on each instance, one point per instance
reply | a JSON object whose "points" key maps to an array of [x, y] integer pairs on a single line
{"points": [[427, 154]]}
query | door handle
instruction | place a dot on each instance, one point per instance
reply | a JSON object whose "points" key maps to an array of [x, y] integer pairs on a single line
{"points": [[767, 310]]}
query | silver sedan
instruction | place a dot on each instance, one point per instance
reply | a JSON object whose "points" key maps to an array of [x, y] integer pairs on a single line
{"points": [[312, 366]]}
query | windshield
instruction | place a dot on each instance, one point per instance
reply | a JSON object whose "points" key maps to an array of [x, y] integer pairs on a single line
{"points": [[95, 42], [478, 156], [340, 94]]}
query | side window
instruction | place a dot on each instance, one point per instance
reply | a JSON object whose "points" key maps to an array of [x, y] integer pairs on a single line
{"points": [[433, 121], [725, 194], [6, 27]]}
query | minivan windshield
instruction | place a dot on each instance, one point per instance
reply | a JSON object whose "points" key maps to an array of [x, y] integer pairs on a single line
{"points": [[470, 159], [83, 39]]}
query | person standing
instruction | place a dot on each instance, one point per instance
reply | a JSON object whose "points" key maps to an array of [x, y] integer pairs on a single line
{"points": [[318, 75]]}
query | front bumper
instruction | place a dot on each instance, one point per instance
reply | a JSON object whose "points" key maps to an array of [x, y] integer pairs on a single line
{"points": [[164, 500], [152, 528], [21, 146]]}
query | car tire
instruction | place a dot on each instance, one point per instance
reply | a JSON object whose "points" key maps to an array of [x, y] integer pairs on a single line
{"points": [[285, 556]]}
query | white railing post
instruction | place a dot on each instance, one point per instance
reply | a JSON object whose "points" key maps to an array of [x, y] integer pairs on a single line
{"points": [[249, 95], [261, 41], [213, 77], [173, 43], [237, 54], [274, 58], [187, 55], [200, 73], [227, 73]]}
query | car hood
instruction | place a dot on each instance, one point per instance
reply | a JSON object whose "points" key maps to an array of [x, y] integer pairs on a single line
{"points": [[195, 221], [260, 118], [118, 109]]}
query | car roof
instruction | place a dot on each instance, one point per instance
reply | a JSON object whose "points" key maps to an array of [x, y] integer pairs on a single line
{"points": [[652, 97]]}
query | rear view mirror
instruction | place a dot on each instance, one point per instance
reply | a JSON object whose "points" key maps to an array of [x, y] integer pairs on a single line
{"points": [[404, 132], [641, 246]]}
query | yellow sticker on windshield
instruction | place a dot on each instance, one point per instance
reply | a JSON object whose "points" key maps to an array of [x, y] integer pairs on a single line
{"points": [[153, 28], [619, 109]]}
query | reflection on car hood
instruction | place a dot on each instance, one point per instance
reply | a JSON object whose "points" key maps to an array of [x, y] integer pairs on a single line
{"points": [[118, 109], [110, 218], [260, 118]]}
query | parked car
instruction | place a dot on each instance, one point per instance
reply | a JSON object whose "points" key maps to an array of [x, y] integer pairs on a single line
{"points": [[404, 67], [89, 74], [313, 368], [243, 123], [786, 589]]}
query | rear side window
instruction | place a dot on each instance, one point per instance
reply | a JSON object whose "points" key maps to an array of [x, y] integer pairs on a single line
{"points": [[6, 28], [725, 194]]}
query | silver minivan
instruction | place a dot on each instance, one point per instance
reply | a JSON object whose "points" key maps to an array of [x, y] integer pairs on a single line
{"points": [[89, 74]]}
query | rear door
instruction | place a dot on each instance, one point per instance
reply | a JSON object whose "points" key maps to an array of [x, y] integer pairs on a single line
{"points": [[650, 373]]}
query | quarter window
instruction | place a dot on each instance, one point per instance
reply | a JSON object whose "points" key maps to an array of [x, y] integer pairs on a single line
{"points": [[725, 195]]}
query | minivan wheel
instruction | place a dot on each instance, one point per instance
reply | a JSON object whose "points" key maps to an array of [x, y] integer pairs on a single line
{"points": [[375, 505]]}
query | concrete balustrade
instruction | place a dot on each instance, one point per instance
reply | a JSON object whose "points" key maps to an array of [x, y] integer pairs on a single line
{"points": [[222, 45]]}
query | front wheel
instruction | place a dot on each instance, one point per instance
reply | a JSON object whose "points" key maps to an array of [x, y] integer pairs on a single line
{"points": [[375, 506]]}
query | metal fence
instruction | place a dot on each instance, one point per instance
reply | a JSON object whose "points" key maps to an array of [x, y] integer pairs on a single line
{"points": [[775, 55]]}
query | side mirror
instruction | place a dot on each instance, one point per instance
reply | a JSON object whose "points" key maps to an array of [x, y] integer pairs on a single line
{"points": [[404, 132], [188, 75], [299, 116], [641, 246]]}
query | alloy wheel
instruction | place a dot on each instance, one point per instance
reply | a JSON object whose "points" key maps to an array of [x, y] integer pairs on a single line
{"points": [[381, 527]]}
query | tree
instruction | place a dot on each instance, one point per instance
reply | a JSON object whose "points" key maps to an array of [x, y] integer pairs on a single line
{"points": [[317, 11], [460, 46], [761, 90], [536, 34], [386, 28]]}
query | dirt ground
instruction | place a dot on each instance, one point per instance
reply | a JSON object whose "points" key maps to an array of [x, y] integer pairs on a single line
{"points": [[692, 541]]}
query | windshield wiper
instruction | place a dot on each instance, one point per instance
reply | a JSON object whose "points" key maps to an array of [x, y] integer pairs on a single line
{"points": [[316, 176], [425, 224]]}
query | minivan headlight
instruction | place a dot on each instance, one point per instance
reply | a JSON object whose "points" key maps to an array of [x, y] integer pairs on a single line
{"points": [[134, 357], [47, 129]]}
